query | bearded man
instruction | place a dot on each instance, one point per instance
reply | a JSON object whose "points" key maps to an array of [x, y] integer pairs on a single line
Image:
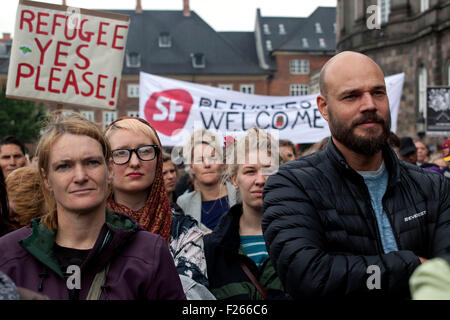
{"points": [[353, 220]]}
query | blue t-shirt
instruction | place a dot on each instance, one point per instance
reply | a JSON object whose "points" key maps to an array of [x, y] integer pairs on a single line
{"points": [[376, 182], [213, 210]]}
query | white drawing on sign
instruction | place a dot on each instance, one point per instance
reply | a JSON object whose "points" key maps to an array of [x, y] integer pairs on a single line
{"points": [[439, 101]]}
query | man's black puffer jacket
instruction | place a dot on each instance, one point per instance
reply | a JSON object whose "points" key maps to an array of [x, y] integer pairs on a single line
{"points": [[321, 231]]}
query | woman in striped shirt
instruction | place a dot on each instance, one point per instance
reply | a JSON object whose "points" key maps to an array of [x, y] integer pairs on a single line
{"points": [[237, 260]]}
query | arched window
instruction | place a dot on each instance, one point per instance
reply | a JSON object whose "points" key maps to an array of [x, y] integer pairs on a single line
{"points": [[424, 5], [422, 86], [384, 8], [448, 73]]}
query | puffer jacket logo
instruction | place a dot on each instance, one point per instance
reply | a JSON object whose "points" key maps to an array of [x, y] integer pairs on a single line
{"points": [[415, 216]]}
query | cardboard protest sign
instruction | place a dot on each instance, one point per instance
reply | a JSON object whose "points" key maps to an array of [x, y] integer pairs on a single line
{"points": [[67, 55], [176, 108]]}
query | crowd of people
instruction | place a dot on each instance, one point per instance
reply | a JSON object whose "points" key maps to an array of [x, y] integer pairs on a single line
{"points": [[111, 216]]}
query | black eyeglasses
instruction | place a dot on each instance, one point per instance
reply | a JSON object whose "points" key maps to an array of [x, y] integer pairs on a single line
{"points": [[144, 153]]}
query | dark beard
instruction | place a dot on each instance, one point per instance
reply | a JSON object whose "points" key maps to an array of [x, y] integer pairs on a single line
{"points": [[363, 145]]}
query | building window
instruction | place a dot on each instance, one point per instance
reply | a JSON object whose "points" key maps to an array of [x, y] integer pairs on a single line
{"points": [[108, 117], [266, 28], [298, 89], [133, 91], [89, 115], [247, 88], [384, 8], [318, 28], [356, 8], [133, 60], [422, 91], [133, 114], [198, 60], [4, 52], [269, 45], [334, 27], [448, 74], [225, 86], [164, 40], [424, 5], [281, 29], [299, 66], [305, 43], [322, 43]]}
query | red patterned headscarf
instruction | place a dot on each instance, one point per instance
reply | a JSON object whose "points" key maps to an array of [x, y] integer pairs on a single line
{"points": [[156, 215]]}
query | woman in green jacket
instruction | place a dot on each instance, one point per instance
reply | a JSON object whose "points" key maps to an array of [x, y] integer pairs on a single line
{"points": [[237, 260]]}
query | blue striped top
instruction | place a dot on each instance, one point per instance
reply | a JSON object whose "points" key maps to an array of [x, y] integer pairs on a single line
{"points": [[255, 248]]}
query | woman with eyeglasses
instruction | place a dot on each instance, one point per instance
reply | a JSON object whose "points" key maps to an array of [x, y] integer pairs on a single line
{"points": [[138, 191]]}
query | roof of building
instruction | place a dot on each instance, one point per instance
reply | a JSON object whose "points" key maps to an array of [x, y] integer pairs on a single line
{"points": [[188, 35], [321, 24], [244, 42], [297, 34], [279, 29]]}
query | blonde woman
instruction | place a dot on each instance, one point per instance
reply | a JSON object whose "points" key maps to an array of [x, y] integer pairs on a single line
{"points": [[238, 263], [212, 196]]}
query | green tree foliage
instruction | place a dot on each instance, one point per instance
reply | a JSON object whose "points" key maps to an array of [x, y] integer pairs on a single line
{"points": [[20, 118]]}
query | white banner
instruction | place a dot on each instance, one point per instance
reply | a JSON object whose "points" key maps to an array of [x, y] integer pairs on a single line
{"points": [[174, 108], [67, 55]]}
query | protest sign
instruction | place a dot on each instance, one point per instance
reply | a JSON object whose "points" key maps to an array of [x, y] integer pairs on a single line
{"points": [[176, 108], [438, 111], [66, 55]]}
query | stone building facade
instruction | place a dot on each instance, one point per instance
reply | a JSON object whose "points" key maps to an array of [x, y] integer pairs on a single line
{"points": [[413, 37]]}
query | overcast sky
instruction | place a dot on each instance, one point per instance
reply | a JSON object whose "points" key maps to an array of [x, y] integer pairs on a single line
{"points": [[221, 15]]}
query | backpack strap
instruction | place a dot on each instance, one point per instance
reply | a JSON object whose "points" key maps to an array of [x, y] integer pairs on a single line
{"points": [[96, 287], [252, 278]]}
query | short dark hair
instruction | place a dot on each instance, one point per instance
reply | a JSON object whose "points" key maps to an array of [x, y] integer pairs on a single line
{"points": [[4, 211], [166, 157], [407, 146], [12, 140], [287, 143]]}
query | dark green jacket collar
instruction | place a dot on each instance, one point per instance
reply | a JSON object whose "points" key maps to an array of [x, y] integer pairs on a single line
{"points": [[116, 230], [226, 234]]}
